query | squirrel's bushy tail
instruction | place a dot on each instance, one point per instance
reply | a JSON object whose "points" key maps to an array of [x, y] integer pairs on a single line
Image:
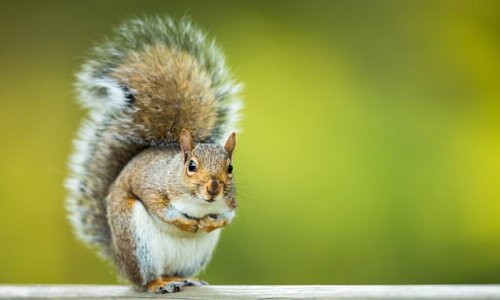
{"points": [[151, 79]]}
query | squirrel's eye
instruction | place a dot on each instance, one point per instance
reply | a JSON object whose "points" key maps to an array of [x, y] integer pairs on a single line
{"points": [[230, 169], [192, 166]]}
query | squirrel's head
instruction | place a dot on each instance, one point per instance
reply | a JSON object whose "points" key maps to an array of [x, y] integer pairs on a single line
{"points": [[208, 168]]}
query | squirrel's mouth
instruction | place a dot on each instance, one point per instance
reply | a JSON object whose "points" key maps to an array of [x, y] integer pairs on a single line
{"points": [[212, 190], [207, 198]]}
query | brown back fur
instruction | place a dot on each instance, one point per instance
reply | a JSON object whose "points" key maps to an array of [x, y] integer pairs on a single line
{"points": [[172, 92]]}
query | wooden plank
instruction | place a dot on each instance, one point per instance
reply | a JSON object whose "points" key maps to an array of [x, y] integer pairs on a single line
{"points": [[259, 292]]}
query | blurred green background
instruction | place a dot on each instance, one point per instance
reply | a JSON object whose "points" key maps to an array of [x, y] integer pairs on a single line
{"points": [[370, 152]]}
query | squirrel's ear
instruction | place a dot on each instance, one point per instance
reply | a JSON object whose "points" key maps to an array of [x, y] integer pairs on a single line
{"points": [[186, 142], [230, 144]]}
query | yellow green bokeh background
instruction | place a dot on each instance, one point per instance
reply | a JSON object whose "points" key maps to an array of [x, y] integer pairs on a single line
{"points": [[370, 151]]}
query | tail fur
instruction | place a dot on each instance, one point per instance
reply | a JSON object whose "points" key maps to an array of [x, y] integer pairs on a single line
{"points": [[141, 87]]}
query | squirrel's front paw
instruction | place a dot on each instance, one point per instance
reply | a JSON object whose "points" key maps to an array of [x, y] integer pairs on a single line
{"points": [[185, 224], [212, 222]]}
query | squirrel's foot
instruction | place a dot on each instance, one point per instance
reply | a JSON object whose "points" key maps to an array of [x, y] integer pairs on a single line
{"points": [[172, 284]]}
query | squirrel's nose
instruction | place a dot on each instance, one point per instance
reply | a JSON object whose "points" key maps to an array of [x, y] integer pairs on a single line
{"points": [[213, 187]]}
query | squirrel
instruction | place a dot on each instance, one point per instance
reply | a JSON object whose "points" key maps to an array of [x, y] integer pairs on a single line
{"points": [[151, 178]]}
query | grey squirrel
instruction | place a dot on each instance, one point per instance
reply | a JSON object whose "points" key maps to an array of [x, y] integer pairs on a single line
{"points": [[150, 182]]}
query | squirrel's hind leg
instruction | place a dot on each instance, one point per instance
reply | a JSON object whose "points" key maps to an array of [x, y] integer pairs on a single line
{"points": [[172, 284], [130, 255]]}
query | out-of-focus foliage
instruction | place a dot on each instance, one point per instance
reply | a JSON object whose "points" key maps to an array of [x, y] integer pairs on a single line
{"points": [[370, 152]]}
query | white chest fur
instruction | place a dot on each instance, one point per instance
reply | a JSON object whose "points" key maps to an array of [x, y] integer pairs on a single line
{"points": [[164, 250]]}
